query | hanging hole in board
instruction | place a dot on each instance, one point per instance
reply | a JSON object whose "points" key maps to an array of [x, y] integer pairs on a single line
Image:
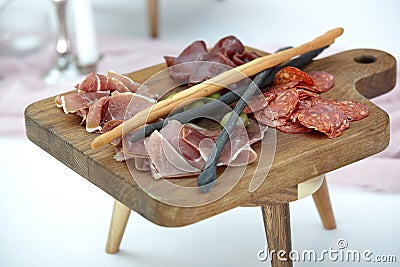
{"points": [[365, 59]]}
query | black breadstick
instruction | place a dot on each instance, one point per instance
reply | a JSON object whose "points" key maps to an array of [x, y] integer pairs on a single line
{"points": [[228, 98], [208, 175]]}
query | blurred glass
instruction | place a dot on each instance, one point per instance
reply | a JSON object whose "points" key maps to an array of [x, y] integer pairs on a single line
{"points": [[24, 28]]}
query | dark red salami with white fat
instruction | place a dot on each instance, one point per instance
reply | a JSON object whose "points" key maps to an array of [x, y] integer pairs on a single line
{"points": [[267, 120], [262, 101], [293, 128], [293, 104], [323, 81], [304, 94], [353, 110], [289, 74], [276, 88], [279, 108], [282, 105], [321, 116], [257, 102]]}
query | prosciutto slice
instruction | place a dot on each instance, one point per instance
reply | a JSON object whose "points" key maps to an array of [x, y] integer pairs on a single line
{"points": [[95, 114], [237, 151], [180, 150], [90, 84], [123, 106], [182, 72], [165, 159], [112, 82], [111, 110], [173, 132], [73, 102], [128, 82], [104, 100], [228, 51], [134, 150]]}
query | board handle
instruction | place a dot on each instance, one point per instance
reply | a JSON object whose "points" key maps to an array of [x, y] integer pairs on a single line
{"points": [[380, 70]]}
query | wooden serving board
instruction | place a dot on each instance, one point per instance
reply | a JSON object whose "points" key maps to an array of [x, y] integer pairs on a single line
{"points": [[297, 158]]}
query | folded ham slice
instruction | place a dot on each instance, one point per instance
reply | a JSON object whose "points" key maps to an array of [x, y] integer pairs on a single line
{"points": [[237, 151], [194, 52], [128, 82], [165, 160], [123, 106], [102, 99], [174, 133], [228, 51], [96, 113], [110, 82], [73, 102], [117, 107], [181, 150]]}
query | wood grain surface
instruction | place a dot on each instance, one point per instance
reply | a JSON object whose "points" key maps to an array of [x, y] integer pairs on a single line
{"points": [[297, 158]]}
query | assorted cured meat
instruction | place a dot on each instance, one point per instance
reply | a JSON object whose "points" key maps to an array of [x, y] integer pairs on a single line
{"points": [[293, 104], [110, 82], [175, 151], [180, 150], [104, 100], [193, 64]]}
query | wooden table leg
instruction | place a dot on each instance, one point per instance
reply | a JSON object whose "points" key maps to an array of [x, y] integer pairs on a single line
{"points": [[323, 203], [277, 229], [119, 220], [152, 7]]}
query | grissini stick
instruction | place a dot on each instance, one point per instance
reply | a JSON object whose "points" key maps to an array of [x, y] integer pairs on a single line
{"points": [[213, 85]]}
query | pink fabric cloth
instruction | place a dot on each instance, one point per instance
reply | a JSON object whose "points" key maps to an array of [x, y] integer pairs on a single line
{"points": [[22, 84], [21, 78]]}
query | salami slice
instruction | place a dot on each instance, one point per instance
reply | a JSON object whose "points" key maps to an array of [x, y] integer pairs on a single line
{"points": [[283, 104], [293, 104], [277, 88], [293, 128], [323, 81], [289, 74], [304, 94], [353, 110], [323, 117], [258, 102], [262, 101], [267, 120], [279, 109]]}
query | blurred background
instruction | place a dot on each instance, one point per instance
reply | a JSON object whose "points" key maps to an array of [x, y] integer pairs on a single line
{"points": [[50, 216]]}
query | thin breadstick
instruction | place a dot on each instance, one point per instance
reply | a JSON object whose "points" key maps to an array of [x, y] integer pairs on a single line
{"points": [[213, 85]]}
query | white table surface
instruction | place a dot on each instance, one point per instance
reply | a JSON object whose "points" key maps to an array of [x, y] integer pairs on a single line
{"points": [[51, 216]]}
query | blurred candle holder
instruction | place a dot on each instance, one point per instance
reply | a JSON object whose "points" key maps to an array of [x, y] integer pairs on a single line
{"points": [[64, 68], [67, 67], [85, 32]]}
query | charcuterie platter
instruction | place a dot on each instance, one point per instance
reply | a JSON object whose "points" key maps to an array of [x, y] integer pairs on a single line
{"points": [[359, 74]]}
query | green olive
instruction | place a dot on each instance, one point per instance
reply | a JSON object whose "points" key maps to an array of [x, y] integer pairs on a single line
{"points": [[171, 95], [243, 119], [215, 95], [194, 104]]}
